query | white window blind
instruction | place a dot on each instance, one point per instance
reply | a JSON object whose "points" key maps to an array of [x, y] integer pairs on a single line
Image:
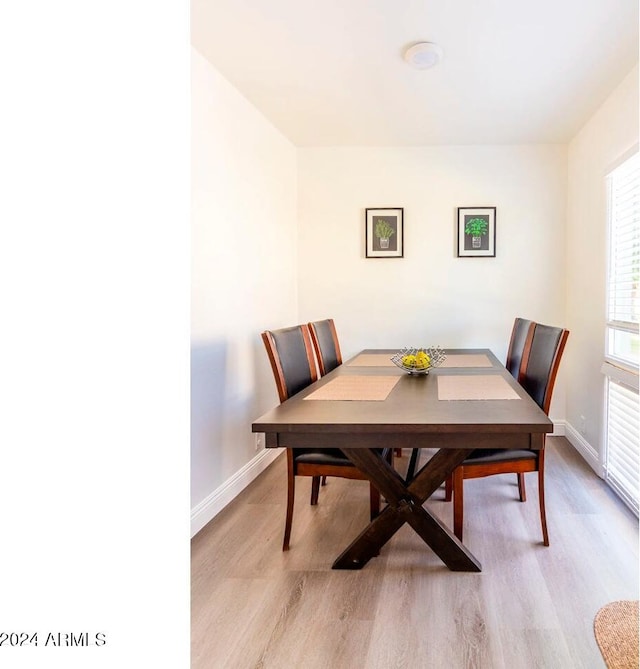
{"points": [[624, 262], [622, 443], [623, 452]]}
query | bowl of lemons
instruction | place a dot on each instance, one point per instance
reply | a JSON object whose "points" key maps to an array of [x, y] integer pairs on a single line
{"points": [[419, 360]]}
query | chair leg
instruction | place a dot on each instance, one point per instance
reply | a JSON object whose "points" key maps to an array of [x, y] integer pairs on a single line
{"points": [[291, 491], [543, 513], [521, 489], [398, 452], [458, 501], [315, 489], [448, 489], [324, 480], [413, 462]]}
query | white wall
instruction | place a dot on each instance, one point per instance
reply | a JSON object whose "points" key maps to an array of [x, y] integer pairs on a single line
{"points": [[278, 238], [243, 280], [611, 132], [430, 296]]}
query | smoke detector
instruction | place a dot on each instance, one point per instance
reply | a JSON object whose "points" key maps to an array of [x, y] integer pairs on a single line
{"points": [[423, 55]]}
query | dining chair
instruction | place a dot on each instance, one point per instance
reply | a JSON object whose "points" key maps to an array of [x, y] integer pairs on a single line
{"points": [[540, 363], [291, 357], [327, 348], [521, 335], [326, 345]]}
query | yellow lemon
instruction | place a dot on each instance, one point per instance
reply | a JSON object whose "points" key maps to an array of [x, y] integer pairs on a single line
{"points": [[422, 360]]}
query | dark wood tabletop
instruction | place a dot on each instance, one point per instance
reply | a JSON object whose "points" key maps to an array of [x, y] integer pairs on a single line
{"points": [[411, 416], [411, 412]]}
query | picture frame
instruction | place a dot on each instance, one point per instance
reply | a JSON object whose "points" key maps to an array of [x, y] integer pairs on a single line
{"points": [[380, 222], [476, 232]]}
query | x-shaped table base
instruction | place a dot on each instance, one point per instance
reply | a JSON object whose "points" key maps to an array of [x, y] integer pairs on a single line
{"points": [[405, 506]]}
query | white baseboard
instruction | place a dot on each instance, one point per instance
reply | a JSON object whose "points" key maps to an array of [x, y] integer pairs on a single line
{"points": [[586, 450], [211, 506]]}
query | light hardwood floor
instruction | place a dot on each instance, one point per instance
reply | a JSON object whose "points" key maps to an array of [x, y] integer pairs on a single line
{"points": [[531, 606]]}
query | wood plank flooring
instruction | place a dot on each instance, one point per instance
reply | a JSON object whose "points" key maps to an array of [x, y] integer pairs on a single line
{"points": [[255, 606]]}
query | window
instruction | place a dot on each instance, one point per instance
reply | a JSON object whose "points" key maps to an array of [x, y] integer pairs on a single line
{"points": [[622, 466], [622, 439]]}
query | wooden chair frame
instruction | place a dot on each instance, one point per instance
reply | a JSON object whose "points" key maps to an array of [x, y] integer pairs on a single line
{"points": [[316, 471], [276, 366], [514, 351], [316, 344], [471, 470], [320, 358]]}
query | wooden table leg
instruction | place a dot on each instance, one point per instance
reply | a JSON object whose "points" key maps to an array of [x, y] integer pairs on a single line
{"points": [[405, 506]]}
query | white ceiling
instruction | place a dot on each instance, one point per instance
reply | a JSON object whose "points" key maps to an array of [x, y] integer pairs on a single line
{"points": [[330, 72]]}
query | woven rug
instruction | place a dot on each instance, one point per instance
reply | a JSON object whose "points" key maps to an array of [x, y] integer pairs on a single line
{"points": [[616, 630]]}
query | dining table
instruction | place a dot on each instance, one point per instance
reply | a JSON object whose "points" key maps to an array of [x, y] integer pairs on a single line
{"points": [[367, 403]]}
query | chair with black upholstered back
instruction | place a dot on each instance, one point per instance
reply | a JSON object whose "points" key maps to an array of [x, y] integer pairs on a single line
{"points": [[540, 363], [520, 336], [291, 358], [326, 345], [327, 348]]}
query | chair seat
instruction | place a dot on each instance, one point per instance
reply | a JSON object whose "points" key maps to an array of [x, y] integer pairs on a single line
{"points": [[488, 455], [322, 456], [326, 456]]}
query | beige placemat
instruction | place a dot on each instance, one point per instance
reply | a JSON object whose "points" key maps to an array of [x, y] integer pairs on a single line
{"points": [[357, 388], [467, 360], [481, 387], [372, 360]]}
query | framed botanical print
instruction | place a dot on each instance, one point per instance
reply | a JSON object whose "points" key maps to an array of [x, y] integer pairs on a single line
{"points": [[384, 233], [476, 232]]}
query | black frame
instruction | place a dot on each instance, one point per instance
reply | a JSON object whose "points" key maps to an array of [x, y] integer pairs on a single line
{"points": [[486, 246], [394, 216]]}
